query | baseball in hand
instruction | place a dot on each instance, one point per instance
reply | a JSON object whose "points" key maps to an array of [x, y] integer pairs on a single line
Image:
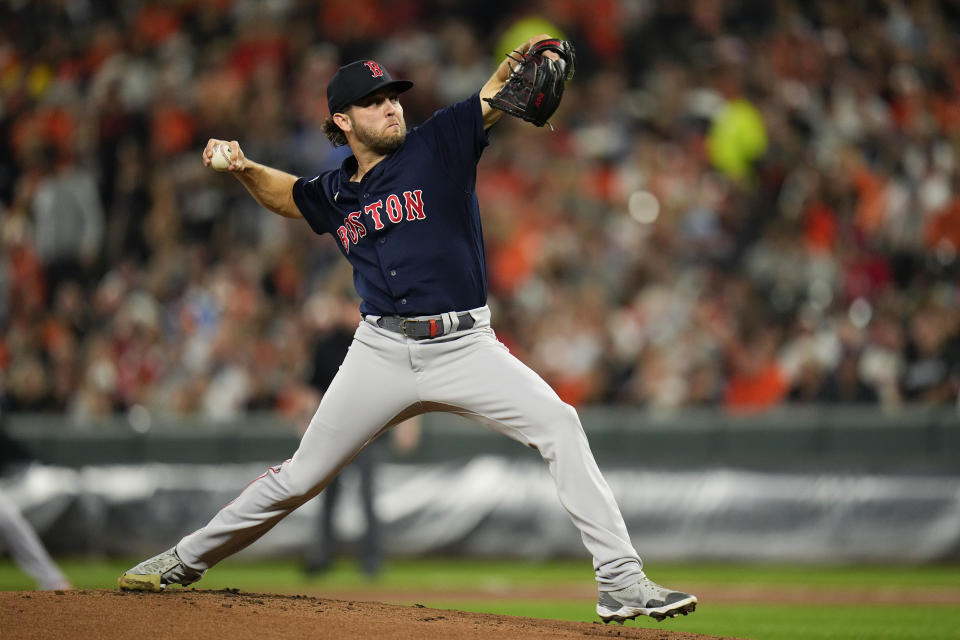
{"points": [[221, 157]]}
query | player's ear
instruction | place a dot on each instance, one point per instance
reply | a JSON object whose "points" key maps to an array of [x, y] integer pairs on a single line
{"points": [[342, 120]]}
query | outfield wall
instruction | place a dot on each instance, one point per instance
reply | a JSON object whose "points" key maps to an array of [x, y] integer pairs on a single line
{"points": [[815, 485], [797, 438]]}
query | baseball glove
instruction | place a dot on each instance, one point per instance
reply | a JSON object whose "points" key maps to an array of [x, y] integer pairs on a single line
{"points": [[535, 86]]}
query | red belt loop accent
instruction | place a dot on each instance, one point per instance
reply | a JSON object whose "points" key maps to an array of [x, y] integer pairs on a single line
{"points": [[433, 327]]}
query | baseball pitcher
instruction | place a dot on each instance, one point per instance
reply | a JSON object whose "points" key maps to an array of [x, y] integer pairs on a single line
{"points": [[403, 210]]}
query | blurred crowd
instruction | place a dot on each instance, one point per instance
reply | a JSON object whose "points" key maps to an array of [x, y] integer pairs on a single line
{"points": [[740, 204]]}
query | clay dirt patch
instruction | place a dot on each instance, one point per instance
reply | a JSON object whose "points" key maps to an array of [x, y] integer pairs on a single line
{"points": [[236, 615]]}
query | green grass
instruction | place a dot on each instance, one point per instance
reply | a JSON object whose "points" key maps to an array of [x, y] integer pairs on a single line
{"points": [[759, 621], [469, 573]]}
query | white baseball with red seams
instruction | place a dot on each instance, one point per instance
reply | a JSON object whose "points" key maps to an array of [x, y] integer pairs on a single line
{"points": [[221, 157]]}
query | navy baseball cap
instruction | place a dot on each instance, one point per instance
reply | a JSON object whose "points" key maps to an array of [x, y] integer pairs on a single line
{"points": [[358, 79]]}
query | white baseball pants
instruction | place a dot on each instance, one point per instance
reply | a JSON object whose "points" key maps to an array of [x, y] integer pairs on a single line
{"points": [[386, 378], [26, 548]]}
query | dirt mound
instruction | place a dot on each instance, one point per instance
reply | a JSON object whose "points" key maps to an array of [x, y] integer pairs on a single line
{"points": [[236, 615]]}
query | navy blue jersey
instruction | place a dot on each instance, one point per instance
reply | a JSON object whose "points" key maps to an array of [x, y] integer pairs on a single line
{"points": [[411, 227]]}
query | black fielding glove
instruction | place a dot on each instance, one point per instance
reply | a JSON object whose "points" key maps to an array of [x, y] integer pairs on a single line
{"points": [[535, 86]]}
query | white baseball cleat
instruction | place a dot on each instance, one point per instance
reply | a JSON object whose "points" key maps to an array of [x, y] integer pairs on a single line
{"points": [[159, 571], [644, 598]]}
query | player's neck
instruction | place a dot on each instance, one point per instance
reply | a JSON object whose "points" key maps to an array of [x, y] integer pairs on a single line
{"points": [[366, 160]]}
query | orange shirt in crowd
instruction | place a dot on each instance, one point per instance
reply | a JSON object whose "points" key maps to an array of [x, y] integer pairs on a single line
{"points": [[945, 226], [755, 392]]}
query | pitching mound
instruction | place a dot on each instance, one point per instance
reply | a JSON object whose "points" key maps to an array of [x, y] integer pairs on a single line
{"points": [[231, 614]]}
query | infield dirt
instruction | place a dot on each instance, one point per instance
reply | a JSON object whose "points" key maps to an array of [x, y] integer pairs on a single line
{"points": [[236, 615]]}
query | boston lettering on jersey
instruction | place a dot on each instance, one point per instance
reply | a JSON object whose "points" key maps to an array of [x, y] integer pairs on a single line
{"points": [[389, 208], [411, 226]]}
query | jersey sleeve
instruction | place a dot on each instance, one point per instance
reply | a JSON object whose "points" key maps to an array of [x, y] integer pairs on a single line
{"points": [[456, 134], [310, 199]]}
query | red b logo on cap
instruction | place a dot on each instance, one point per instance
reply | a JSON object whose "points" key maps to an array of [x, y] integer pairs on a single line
{"points": [[374, 69]]}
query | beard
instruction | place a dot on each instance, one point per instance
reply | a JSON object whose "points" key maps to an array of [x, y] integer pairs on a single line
{"points": [[380, 143]]}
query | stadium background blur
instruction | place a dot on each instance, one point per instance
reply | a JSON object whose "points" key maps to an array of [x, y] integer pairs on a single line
{"points": [[743, 204]]}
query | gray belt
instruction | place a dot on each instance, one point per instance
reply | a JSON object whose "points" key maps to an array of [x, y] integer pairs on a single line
{"points": [[423, 328]]}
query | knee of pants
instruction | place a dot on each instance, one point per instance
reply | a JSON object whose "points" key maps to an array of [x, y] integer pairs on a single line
{"points": [[296, 483], [560, 428]]}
